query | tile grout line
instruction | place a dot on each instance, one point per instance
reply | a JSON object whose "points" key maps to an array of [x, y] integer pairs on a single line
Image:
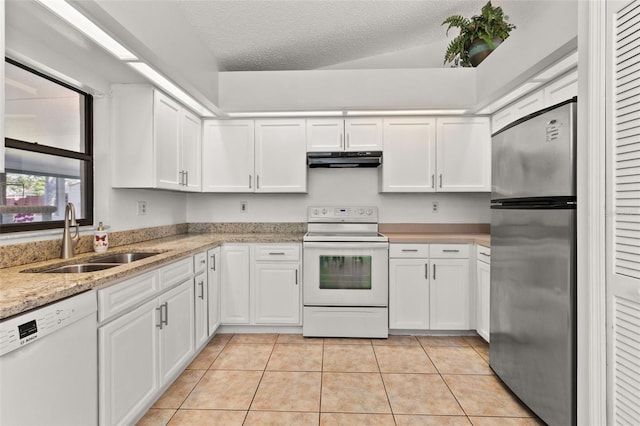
{"points": [[384, 386], [260, 381]]}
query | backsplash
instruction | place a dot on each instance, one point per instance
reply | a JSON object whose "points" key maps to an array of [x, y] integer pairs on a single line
{"points": [[248, 227]]}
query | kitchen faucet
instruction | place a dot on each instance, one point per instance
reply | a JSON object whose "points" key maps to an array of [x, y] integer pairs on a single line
{"points": [[69, 242]]}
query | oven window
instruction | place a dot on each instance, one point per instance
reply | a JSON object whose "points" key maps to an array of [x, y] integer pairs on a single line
{"points": [[345, 272]]}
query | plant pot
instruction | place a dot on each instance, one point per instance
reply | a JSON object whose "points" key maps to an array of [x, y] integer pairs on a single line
{"points": [[478, 50]]}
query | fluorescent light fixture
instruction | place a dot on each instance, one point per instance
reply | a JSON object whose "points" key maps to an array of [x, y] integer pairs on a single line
{"points": [[162, 82], [512, 96], [410, 112], [84, 24], [558, 68], [285, 114]]}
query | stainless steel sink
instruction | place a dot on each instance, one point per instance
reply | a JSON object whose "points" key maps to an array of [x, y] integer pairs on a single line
{"points": [[79, 268], [121, 257]]}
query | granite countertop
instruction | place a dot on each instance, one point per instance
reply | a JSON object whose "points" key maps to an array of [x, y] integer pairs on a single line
{"points": [[439, 238], [21, 291]]}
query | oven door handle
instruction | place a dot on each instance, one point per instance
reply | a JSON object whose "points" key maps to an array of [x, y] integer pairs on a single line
{"points": [[346, 245]]}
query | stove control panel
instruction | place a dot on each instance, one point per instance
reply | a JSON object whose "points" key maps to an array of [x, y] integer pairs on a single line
{"points": [[368, 214]]}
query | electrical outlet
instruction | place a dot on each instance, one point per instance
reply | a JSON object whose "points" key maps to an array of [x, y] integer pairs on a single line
{"points": [[243, 206], [142, 208], [435, 206]]}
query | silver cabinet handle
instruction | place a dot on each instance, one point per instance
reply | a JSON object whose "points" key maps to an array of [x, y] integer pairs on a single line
{"points": [[409, 249], [485, 254], [181, 173], [451, 251], [203, 261], [249, 181], [213, 262], [296, 277], [440, 180], [160, 309], [257, 181], [426, 271], [280, 253], [433, 181], [186, 176], [201, 284], [434, 271]]}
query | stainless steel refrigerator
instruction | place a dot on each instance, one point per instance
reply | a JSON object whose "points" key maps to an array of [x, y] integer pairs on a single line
{"points": [[533, 261]]}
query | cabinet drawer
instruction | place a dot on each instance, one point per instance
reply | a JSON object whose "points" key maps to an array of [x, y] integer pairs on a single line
{"points": [[483, 254], [176, 272], [409, 250], [277, 252], [119, 297], [200, 262], [449, 251]]}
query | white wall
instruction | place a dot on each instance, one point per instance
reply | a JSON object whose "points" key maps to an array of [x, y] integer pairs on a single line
{"points": [[340, 187]]}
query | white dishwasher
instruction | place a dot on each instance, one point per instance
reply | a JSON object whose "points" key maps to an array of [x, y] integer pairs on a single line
{"points": [[49, 365]]}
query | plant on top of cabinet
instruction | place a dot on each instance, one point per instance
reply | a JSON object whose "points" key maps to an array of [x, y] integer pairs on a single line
{"points": [[479, 35]]}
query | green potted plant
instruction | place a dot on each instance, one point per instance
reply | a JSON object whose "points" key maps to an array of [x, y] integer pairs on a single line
{"points": [[478, 35]]}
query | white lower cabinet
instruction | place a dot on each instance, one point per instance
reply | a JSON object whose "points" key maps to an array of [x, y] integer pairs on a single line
{"points": [[429, 287], [409, 294], [260, 284], [483, 292], [213, 290], [141, 349], [201, 292]]}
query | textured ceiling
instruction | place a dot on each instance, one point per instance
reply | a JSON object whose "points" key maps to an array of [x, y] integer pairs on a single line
{"points": [[257, 35]]}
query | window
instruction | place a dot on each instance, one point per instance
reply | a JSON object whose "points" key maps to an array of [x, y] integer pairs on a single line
{"points": [[48, 151]]}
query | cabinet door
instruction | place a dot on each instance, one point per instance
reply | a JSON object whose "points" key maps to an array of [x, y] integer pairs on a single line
{"points": [[128, 360], [449, 294], [191, 147], [167, 133], [531, 103], [409, 159], [563, 89], [325, 134], [227, 156], [409, 294], [280, 156], [277, 296], [234, 285], [177, 333], [463, 154], [483, 301], [363, 134], [213, 293], [501, 118], [201, 306]]}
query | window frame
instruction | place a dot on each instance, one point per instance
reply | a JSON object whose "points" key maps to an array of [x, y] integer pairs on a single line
{"points": [[86, 157]]}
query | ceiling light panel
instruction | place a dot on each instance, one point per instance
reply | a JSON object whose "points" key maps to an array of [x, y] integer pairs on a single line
{"points": [[267, 114], [409, 112], [65, 11]]}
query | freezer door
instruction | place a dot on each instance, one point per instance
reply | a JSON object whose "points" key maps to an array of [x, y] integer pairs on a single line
{"points": [[535, 158], [533, 308]]}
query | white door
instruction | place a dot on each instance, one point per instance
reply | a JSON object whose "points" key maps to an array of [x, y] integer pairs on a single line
{"points": [[483, 294], [325, 134], [166, 134], [276, 293], [363, 134], [463, 154], [449, 294], [201, 306], [227, 156], [191, 149], [128, 365], [409, 156], [409, 294], [234, 285], [623, 222], [280, 151], [213, 292], [177, 341]]}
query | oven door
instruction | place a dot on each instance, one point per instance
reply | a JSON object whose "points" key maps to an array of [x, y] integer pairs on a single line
{"points": [[346, 274]]}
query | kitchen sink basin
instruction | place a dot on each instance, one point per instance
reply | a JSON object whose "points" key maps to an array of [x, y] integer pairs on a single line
{"points": [[121, 257], [79, 268]]}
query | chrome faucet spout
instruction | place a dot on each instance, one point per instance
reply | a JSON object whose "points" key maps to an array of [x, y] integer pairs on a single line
{"points": [[69, 241]]}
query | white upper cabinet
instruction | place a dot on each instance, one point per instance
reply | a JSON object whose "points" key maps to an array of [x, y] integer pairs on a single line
{"points": [[564, 88], [463, 154], [280, 156], [155, 141], [444, 154], [337, 134], [227, 156], [409, 162], [254, 156]]}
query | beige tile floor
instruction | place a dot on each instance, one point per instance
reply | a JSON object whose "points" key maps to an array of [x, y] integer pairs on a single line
{"points": [[271, 379]]}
